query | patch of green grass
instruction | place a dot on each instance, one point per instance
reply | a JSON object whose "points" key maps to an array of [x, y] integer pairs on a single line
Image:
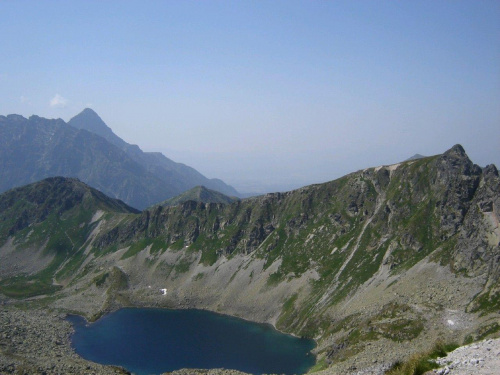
{"points": [[488, 330], [101, 279], [401, 329], [280, 238], [398, 322], [482, 333], [274, 279], [137, 247], [319, 366], [395, 322], [70, 268], [21, 287], [359, 335], [105, 250], [182, 266], [157, 245], [117, 280], [199, 276], [420, 363], [177, 245], [288, 311], [486, 303], [209, 257]]}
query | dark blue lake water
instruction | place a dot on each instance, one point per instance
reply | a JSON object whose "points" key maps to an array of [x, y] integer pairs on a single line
{"points": [[152, 341]]}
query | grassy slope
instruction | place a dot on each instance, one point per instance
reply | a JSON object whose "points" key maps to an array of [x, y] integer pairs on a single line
{"points": [[54, 217], [338, 237]]}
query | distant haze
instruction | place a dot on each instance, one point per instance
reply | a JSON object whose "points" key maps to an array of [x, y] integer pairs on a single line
{"points": [[264, 95]]}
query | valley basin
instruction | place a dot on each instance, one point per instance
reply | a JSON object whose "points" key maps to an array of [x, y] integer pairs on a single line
{"points": [[154, 341]]}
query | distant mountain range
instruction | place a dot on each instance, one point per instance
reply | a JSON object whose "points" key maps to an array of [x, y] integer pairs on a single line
{"points": [[86, 148], [415, 157]]}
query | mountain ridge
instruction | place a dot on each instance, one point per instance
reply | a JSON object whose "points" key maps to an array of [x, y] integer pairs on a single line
{"points": [[36, 148], [374, 265], [154, 162], [199, 194]]}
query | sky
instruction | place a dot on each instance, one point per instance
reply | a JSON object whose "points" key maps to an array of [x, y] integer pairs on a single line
{"points": [[266, 95]]}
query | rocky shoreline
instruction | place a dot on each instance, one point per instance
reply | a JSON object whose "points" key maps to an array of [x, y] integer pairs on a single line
{"points": [[37, 341]]}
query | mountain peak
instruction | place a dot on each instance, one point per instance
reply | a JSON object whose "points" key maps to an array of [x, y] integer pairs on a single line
{"points": [[88, 112], [457, 151], [34, 202], [89, 120]]}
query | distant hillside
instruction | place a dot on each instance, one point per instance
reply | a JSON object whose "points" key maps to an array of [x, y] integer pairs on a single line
{"points": [[415, 157], [180, 175], [36, 148], [31, 204], [61, 213], [199, 194]]}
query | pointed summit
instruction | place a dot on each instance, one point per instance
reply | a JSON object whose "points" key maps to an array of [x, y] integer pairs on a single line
{"points": [[456, 151], [88, 112], [456, 158], [89, 120]]}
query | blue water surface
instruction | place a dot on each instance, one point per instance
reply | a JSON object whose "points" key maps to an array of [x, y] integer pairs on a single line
{"points": [[153, 341]]}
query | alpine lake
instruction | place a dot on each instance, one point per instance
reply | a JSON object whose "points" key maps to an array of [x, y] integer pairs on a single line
{"points": [[154, 341]]}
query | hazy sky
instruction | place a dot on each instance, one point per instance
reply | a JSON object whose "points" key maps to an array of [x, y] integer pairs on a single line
{"points": [[266, 95]]}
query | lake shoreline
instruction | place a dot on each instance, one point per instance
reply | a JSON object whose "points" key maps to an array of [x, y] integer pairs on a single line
{"points": [[39, 339], [226, 334]]}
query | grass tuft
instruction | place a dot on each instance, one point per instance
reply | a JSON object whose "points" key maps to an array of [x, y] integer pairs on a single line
{"points": [[420, 363]]}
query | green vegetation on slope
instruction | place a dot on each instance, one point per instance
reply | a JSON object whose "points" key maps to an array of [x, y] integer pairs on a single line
{"points": [[421, 363], [328, 242], [199, 194]]}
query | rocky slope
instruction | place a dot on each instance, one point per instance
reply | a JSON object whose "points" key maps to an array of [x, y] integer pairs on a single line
{"points": [[479, 358], [36, 148], [375, 266], [37, 342]]}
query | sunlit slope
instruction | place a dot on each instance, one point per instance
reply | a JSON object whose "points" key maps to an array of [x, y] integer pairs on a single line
{"points": [[379, 257], [45, 228]]}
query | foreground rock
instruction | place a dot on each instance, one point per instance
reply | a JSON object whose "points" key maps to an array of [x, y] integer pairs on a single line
{"points": [[479, 358]]}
